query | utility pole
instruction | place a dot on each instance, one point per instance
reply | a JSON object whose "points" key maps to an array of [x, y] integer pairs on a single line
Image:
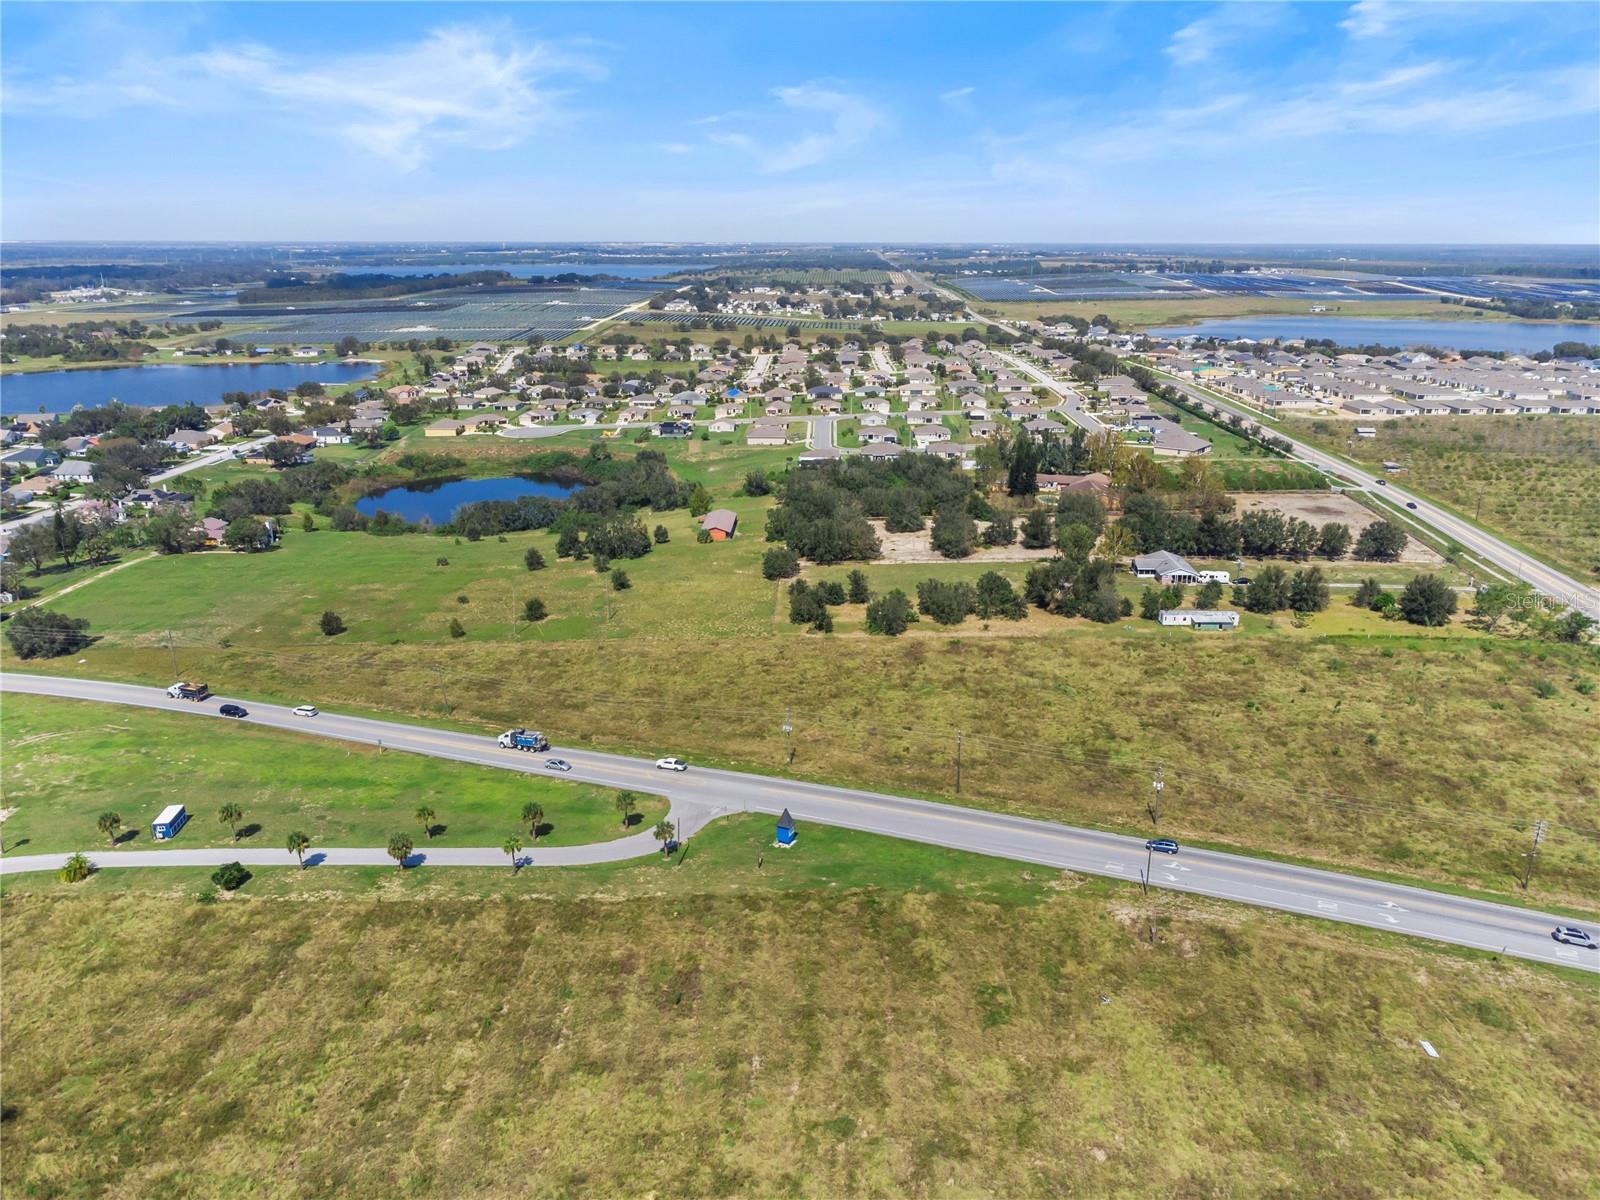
{"points": [[788, 733], [1155, 803], [172, 651], [958, 762], [1532, 856]]}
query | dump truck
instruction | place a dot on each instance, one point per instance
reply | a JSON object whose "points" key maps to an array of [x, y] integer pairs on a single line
{"points": [[189, 691], [523, 739]]}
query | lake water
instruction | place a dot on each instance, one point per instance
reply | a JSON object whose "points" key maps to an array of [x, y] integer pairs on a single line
{"points": [[439, 502], [1511, 336], [160, 384], [523, 270]]}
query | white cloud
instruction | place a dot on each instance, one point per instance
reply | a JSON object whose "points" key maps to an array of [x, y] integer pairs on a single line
{"points": [[957, 94], [1199, 41], [1369, 19], [851, 121], [675, 148], [457, 86]]}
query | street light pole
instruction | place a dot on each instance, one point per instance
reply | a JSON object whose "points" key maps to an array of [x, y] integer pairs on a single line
{"points": [[958, 762]]}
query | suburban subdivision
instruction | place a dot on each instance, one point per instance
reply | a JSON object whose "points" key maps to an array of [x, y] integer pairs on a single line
{"points": [[852, 634]]}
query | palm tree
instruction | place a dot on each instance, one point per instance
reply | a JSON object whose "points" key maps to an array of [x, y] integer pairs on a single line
{"points": [[426, 815], [627, 805], [297, 845], [76, 869], [108, 824], [400, 848], [663, 832], [230, 814], [532, 817], [513, 847]]}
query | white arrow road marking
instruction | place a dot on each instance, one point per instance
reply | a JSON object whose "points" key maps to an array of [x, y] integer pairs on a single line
{"points": [[1327, 906], [1113, 866], [1388, 918], [1169, 878], [1390, 904], [1566, 954]]}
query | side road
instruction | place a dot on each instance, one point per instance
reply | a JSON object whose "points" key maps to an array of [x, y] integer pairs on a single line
{"points": [[701, 794]]}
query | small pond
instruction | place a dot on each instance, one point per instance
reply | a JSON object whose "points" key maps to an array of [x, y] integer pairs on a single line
{"points": [[437, 502]]}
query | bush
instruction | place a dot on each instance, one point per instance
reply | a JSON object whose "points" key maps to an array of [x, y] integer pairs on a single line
{"points": [[860, 593], [780, 563], [35, 633], [1209, 595], [76, 869], [831, 591], [891, 614], [1036, 530], [620, 581], [332, 623], [1367, 593], [661, 535], [1002, 531], [457, 629], [533, 609], [230, 877], [757, 484], [533, 560]]}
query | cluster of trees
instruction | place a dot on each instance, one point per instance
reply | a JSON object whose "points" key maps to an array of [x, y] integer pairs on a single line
{"points": [[1522, 610], [1426, 600], [86, 341], [37, 633], [1272, 590], [602, 536]]}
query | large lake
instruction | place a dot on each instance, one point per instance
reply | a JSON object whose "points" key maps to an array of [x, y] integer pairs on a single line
{"points": [[160, 384], [438, 503], [1511, 336]]}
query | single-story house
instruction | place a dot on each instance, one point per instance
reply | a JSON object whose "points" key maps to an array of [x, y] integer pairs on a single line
{"points": [[720, 523], [30, 458], [723, 425], [768, 433], [674, 429], [330, 435], [74, 472], [1165, 567], [444, 427]]}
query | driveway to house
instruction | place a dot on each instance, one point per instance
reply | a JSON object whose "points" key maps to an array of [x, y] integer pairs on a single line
{"points": [[700, 794]]}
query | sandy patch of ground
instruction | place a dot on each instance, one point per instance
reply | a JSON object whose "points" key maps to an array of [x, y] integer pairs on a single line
{"points": [[1321, 507], [918, 548]]}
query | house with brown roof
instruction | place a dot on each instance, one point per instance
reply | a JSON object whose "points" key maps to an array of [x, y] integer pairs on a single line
{"points": [[720, 523]]}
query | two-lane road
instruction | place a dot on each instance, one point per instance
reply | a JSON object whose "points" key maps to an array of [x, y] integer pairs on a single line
{"points": [[700, 794]]}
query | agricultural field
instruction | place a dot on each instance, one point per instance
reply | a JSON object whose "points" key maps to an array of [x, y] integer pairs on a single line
{"points": [[1137, 312], [69, 761], [913, 1024], [1532, 479]]}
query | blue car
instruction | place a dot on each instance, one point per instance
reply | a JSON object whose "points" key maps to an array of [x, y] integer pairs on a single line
{"points": [[1162, 845]]}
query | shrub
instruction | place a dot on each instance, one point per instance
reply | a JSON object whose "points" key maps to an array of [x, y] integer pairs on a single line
{"points": [[457, 629], [779, 563], [756, 483], [620, 581], [76, 869], [860, 593], [1209, 595], [831, 591], [997, 598], [946, 603], [332, 623], [533, 609], [230, 877], [661, 535], [533, 559], [1002, 531], [1366, 594]]}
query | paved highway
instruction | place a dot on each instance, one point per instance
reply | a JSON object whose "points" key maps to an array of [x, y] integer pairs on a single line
{"points": [[1548, 580], [701, 794]]}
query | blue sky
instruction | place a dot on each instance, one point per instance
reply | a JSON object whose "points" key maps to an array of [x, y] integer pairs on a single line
{"points": [[1333, 122]]}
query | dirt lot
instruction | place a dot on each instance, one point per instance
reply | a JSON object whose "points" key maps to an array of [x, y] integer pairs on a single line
{"points": [[1321, 507], [918, 548]]}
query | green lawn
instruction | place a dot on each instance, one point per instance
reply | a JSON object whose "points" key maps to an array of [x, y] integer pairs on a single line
{"points": [[68, 761], [1022, 1036]]}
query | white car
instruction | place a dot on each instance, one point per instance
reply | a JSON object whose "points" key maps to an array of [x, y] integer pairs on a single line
{"points": [[671, 764], [557, 764], [306, 710]]}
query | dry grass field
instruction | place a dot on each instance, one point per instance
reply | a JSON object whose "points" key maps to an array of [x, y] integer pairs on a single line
{"points": [[819, 1042]]}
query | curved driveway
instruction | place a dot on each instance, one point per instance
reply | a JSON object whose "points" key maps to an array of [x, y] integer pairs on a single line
{"points": [[702, 794]]}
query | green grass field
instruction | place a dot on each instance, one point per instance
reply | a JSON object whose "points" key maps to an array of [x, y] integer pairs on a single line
{"points": [[1351, 741], [1029, 1034], [68, 761], [1535, 479]]}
